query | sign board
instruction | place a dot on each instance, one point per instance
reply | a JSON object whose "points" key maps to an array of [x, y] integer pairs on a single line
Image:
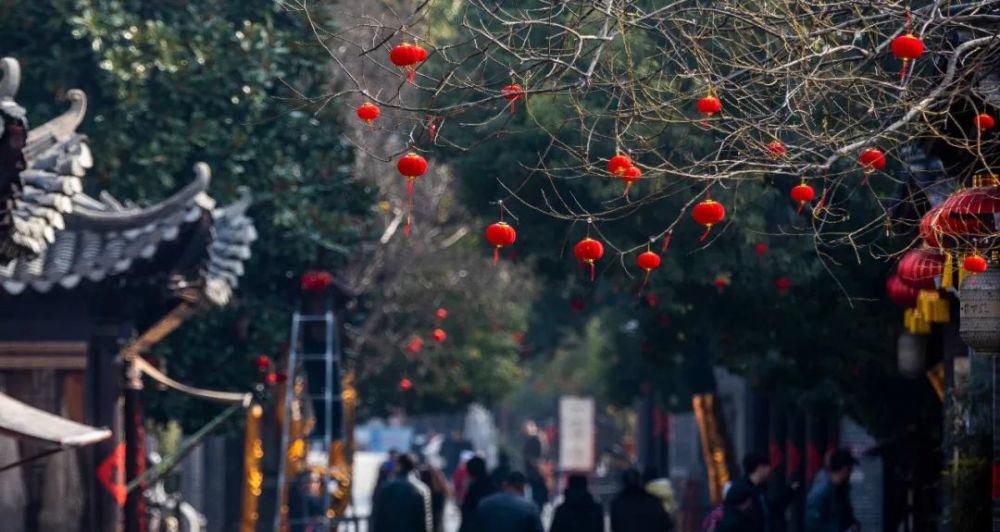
{"points": [[576, 434]]}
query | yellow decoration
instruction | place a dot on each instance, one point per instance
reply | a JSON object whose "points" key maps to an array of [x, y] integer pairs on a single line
{"points": [[932, 307], [946, 272], [915, 322], [713, 447], [253, 453]]}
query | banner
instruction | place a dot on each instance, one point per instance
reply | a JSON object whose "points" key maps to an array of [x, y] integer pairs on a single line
{"points": [[576, 434]]}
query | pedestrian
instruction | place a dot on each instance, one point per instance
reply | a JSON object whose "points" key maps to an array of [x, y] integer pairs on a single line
{"points": [[763, 511], [435, 481], [737, 510], [502, 470], [480, 486], [460, 478], [635, 510], [305, 501], [536, 481], [508, 510], [579, 512], [828, 505], [386, 469], [403, 504]]}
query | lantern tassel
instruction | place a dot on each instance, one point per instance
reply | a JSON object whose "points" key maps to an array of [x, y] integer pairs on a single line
{"points": [[667, 239], [591, 270], [409, 205], [802, 205], [628, 186], [946, 272], [704, 235], [645, 281], [902, 70], [496, 255], [412, 75]]}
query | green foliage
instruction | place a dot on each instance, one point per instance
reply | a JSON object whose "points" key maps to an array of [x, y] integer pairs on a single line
{"points": [[173, 83]]}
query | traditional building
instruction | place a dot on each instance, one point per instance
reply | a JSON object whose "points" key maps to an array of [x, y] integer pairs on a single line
{"points": [[80, 276]]}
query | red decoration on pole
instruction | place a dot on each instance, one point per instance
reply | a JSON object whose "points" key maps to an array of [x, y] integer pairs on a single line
{"points": [[408, 56], [368, 112], [975, 263], [871, 160], [588, 251], [777, 148], [708, 213], [984, 122], [619, 164], [411, 166], [802, 194], [499, 235], [513, 93], [439, 335]]}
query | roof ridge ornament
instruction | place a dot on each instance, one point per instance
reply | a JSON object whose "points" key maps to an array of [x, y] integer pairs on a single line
{"points": [[62, 127], [11, 80]]}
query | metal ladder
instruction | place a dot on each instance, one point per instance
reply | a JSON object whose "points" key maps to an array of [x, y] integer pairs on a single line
{"points": [[320, 362]]}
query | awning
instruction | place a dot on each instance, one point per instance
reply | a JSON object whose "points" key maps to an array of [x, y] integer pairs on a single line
{"points": [[23, 421]]}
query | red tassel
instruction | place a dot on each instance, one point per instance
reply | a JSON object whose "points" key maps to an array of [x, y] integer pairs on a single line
{"points": [[591, 271], [705, 234], [412, 75], [627, 187], [801, 205], [667, 239], [645, 281], [513, 106], [409, 205], [496, 255], [902, 70]]}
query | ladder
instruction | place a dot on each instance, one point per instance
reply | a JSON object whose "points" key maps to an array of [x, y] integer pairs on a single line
{"points": [[313, 353]]}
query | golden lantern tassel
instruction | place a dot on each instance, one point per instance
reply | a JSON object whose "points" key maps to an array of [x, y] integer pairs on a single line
{"points": [[947, 271]]}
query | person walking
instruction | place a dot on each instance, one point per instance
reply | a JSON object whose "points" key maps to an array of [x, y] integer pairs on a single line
{"points": [[579, 512], [828, 505], [480, 486], [737, 510], [763, 512], [434, 479], [635, 510], [508, 510], [403, 504]]}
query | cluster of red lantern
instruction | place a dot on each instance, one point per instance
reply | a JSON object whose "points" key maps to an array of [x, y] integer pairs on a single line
{"points": [[368, 112], [588, 251], [411, 166], [708, 213], [513, 93], [408, 56], [802, 194], [621, 167], [500, 235]]}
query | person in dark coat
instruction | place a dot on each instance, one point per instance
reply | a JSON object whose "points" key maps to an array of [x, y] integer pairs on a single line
{"points": [[635, 510], [435, 481], [480, 487], [828, 505], [763, 511], [508, 510], [737, 510], [579, 512], [403, 504]]}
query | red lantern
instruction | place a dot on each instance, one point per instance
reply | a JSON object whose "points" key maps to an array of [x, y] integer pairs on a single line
{"points": [[907, 48], [721, 281], [368, 112], [871, 160], [619, 164], [709, 105], [263, 362], [631, 175], [411, 166], [974, 264], [760, 249], [588, 251], [439, 335], [500, 234], [441, 314], [708, 213], [415, 344], [900, 292], [315, 281], [405, 384], [802, 194], [918, 267], [648, 261], [777, 148], [513, 93], [984, 122], [783, 284], [272, 378]]}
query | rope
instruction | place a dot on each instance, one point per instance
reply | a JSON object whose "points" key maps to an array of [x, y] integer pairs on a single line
{"points": [[211, 395], [151, 476]]}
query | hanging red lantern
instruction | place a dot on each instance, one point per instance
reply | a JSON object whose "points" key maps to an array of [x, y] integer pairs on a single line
{"points": [[315, 281], [901, 293], [907, 48], [631, 175], [368, 112], [984, 122], [708, 213], [440, 313], [760, 249], [975, 263], [408, 56], [802, 194], [499, 235], [589, 251], [263, 362], [777, 148], [405, 384], [415, 344], [709, 105], [411, 166], [721, 281], [439, 335], [919, 267], [513, 93], [871, 160], [648, 261], [619, 164], [783, 284]]}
